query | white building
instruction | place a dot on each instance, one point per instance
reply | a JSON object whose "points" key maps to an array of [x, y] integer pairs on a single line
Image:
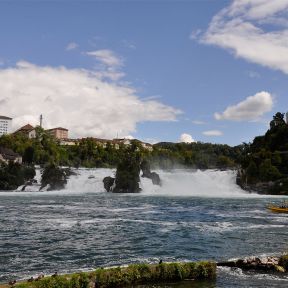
{"points": [[5, 125]]}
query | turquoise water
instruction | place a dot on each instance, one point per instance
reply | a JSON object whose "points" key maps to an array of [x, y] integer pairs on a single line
{"points": [[67, 232]]}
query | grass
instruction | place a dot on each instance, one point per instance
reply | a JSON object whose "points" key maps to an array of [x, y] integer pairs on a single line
{"points": [[138, 274]]}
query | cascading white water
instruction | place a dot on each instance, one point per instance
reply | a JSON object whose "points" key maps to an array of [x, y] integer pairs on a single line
{"points": [[208, 183]]}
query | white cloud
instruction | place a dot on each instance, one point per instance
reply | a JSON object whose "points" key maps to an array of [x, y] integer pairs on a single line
{"points": [[250, 109], [186, 138], [212, 133], [110, 64], [76, 99], [106, 57], [71, 46], [241, 28]]}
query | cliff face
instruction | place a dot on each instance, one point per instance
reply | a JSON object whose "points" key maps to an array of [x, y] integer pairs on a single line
{"points": [[264, 161], [278, 187]]}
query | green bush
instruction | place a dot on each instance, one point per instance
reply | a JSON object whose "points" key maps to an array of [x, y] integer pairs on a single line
{"points": [[13, 175]]}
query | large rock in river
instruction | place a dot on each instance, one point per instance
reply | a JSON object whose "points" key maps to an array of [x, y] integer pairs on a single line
{"points": [[146, 173], [54, 177], [108, 183], [127, 174]]}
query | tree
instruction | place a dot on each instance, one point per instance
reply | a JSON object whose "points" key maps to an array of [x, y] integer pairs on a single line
{"points": [[252, 172], [278, 120], [268, 172], [28, 156]]}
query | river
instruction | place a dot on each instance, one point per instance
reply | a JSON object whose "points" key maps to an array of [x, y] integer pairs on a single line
{"points": [[195, 215]]}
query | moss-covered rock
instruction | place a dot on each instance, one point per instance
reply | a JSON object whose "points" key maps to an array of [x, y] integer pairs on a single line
{"points": [[138, 274]]}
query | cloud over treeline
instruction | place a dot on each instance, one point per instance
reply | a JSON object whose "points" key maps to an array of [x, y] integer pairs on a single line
{"points": [[77, 99], [186, 138]]}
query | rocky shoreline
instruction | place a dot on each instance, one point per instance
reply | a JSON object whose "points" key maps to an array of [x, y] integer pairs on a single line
{"points": [[259, 264]]}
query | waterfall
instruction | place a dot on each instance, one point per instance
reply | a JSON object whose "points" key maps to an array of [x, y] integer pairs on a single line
{"points": [[175, 183]]}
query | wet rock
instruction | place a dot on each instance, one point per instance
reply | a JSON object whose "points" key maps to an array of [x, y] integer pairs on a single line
{"points": [[146, 173], [108, 183], [155, 178], [266, 264]]}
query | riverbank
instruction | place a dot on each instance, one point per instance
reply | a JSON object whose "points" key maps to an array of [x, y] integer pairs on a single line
{"points": [[137, 274]]}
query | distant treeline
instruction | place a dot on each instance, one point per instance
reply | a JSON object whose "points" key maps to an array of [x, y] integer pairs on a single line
{"points": [[195, 155], [88, 153]]}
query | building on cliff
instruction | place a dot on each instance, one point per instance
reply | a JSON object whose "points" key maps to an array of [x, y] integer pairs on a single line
{"points": [[5, 125], [27, 130], [126, 142], [58, 133], [115, 143]]}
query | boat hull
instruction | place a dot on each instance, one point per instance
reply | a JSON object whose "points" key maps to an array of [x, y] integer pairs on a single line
{"points": [[276, 209]]}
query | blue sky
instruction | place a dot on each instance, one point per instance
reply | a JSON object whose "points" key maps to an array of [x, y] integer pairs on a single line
{"points": [[151, 69]]}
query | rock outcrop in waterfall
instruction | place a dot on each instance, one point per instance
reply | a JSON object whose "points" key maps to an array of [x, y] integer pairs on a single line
{"points": [[127, 174]]}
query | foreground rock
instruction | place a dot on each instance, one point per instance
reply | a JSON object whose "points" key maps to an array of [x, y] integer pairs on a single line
{"points": [[264, 264], [130, 276]]}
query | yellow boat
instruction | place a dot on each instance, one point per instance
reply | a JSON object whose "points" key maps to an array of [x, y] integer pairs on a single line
{"points": [[278, 209]]}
